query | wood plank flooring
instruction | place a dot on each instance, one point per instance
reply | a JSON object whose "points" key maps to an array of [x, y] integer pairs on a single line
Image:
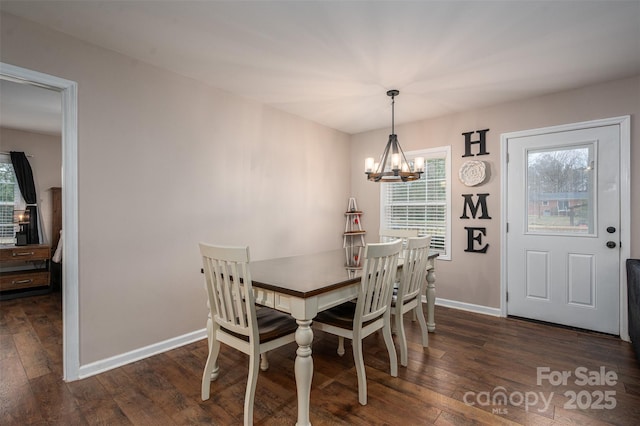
{"points": [[477, 370]]}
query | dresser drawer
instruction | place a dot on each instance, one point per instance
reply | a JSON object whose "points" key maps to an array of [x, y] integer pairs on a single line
{"points": [[23, 279], [26, 253]]}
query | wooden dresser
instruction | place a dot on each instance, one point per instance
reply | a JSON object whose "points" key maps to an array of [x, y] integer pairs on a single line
{"points": [[24, 270]]}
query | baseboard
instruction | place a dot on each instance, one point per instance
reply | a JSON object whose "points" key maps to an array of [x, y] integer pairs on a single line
{"points": [[101, 366], [480, 309], [107, 364]]}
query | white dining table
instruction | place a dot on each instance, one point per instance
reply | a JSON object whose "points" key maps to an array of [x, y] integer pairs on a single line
{"points": [[305, 285]]}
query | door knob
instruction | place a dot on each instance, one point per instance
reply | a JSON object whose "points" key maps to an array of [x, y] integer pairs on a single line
{"points": [[611, 244], [611, 229]]}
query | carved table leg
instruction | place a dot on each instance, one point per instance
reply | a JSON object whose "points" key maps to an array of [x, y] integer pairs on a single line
{"points": [[303, 370]]}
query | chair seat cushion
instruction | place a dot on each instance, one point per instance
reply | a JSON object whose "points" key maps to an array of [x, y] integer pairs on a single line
{"points": [[394, 299], [339, 316], [271, 324]]}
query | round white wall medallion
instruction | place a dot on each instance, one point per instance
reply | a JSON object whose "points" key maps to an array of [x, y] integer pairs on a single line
{"points": [[472, 172]]}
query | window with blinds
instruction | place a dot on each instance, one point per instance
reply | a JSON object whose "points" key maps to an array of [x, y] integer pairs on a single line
{"points": [[9, 199], [423, 204]]}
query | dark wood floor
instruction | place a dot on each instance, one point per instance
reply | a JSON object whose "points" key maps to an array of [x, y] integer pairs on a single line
{"points": [[471, 362]]}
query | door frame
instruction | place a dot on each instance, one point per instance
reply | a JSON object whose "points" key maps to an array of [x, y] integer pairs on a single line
{"points": [[70, 300], [624, 122]]}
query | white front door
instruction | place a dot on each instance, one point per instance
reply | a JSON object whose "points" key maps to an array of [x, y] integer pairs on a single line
{"points": [[563, 219]]}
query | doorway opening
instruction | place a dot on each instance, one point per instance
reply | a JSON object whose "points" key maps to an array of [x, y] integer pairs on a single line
{"points": [[70, 307]]}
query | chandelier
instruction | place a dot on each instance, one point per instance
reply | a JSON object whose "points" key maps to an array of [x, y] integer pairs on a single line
{"points": [[393, 165]]}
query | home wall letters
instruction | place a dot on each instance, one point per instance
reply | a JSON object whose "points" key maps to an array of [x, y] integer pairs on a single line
{"points": [[472, 173]]}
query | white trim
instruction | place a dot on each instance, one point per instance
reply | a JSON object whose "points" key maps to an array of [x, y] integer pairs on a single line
{"points": [[116, 361], [504, 187], [625, 220], [70, 299], [625, 203], [469, 307]]}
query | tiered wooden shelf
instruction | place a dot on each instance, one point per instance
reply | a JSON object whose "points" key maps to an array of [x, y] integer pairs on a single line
{"points": [[353, 236]]}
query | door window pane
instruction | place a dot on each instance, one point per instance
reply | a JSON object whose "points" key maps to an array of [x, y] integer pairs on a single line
{"points": [[560, 190]]}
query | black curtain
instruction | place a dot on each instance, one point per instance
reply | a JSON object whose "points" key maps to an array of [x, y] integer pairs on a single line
{"points": [[24, 176]]}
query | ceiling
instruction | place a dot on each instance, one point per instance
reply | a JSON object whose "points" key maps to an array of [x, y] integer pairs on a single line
{"points": [[26, 107], [333, 61]]}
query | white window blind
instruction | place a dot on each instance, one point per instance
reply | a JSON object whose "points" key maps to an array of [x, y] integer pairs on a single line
{"points": [[423, 204], [10, 199]]}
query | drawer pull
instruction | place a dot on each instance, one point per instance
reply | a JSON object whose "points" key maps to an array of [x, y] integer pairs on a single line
{"points": [[29, 281], [23, 253]]}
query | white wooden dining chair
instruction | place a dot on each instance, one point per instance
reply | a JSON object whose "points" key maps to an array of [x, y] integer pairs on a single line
{"points": [[234, 319], [408, 296], [371, 312], [387, 235]]}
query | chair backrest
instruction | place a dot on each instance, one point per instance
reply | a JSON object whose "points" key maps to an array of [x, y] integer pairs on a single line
{"points": [[414, 267], [387, 235], [228, 280], [392, 234], [378, 276]]}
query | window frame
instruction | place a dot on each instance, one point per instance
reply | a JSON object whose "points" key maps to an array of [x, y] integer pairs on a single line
{"points": [[428, 154]]}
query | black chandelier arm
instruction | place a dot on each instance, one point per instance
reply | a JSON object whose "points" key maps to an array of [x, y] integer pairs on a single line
{"points": [[383, 157], [404, 158]]}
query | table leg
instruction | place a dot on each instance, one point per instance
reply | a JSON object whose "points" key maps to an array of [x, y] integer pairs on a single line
{"points": [[303, 370], [431, 299]]}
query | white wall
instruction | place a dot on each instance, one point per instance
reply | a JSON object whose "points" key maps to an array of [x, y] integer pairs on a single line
{"points": [[45, 158], [473, 277], [166, 162]]}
